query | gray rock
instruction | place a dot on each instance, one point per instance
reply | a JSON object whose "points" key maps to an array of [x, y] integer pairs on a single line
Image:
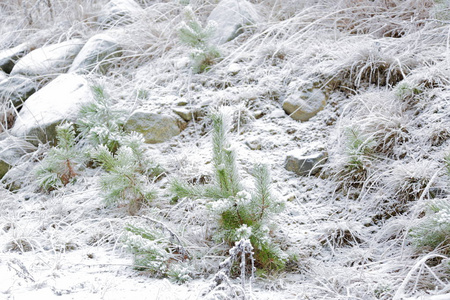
{"points": [[185, 113], [18, 176], [119, 12], [51, 59], [230, 16], [11, 151], [95, 54], [304, 165], [304, 105], [156, 128], [17, 89], [58, 101], [9, 57]]}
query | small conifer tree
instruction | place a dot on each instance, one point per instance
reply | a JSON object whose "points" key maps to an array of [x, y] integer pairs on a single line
{"points": [[192, 34], [60, 165], [126, 180], [98, 123], [155, 252], [240, 214], [433, 231]]}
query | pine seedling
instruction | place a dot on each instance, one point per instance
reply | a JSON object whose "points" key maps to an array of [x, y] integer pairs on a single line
{"points": [[240, 215], [433, 231], [60, 165], [192, 34], [155, 252], [98, 123], [124, 182], [359, 154]]}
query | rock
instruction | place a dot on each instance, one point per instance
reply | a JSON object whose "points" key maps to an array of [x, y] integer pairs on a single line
{"points": [[119, 12], [254, 143], [230, 16], [17, 89], [18, 175], [185, 113], [11, 151], [95, 54], [9, 57], [156, 128], [304, 105], [234, 69], [58, 101], [49, 59], [304, 165]]}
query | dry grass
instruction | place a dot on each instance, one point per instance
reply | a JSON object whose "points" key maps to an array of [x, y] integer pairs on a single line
{"points": [[352, 242]]}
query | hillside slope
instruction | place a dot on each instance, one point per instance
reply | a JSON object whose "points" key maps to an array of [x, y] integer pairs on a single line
{"points": [[370, 221]]}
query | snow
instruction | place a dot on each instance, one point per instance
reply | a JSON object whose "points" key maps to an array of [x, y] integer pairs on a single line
{"points": [[345, 240]]}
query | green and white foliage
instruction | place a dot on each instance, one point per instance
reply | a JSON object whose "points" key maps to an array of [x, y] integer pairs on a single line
{"points": [[125, 181], [358, 154], [154, 252], [194, 35], [248, 216], [433, 230], [61, 163], [98, 123], [240, 214]]}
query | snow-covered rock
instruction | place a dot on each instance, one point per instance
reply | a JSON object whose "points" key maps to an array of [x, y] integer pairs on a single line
{"points": [[304, 165], [58, 101], [230, 16], [16, 89], [304, 105], [50, 59], [119, 12], [9, 57], [11, 150], [156, 128], [95, 54], [185, 113]]}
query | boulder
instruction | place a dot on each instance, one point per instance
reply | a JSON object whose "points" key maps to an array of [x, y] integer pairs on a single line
{"points": [[58, 101], [119, 12], [156, 128], [304, 165], [184, 113], [230, 16], [303, 105], [49, 59], [95, 54], [16, 89], [18, 176], [11, 151], [9, 57]]}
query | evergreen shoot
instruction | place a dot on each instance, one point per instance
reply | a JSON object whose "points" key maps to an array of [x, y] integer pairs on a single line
{"points": [[156, 253], [61, 163], [194, 35], [433, 231], [240, 214], [124, 181], [98, 123]]}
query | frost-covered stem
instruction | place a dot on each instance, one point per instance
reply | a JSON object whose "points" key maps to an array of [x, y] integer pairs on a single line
{"points": [[401, 290], [224, 158], [242, 268]]}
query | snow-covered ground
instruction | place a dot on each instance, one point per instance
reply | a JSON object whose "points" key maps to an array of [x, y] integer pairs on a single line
{"points": [[346, 231]]}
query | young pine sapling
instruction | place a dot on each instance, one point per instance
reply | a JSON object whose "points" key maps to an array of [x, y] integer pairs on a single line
{"points": [[192, 34], [240, 214], [61, 163]]}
